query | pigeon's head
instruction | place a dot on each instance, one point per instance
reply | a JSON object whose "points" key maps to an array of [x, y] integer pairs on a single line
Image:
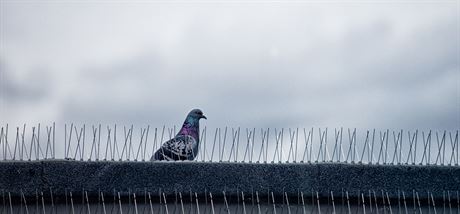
{"points": [[196, 114]]}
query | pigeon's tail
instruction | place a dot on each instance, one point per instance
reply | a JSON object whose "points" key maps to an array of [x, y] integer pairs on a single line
{"points": [[157, 156]]}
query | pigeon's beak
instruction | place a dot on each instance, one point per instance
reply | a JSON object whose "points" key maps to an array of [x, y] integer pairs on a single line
{"points": [[202, 116]]}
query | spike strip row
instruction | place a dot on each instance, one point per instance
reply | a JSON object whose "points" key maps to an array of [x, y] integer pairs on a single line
{"points": [[239, 202], [112, 143]]}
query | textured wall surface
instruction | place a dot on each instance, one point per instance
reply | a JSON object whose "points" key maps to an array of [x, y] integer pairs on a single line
{"points": [[199, 177]]}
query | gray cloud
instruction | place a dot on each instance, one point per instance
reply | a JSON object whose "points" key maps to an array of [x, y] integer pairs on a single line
{"points": [[26, 90], [256, 66]]}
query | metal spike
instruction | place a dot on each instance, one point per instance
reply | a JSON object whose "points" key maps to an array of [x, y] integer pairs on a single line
{"points": [[296, 143], [32, 144], [226, 203], [307, 140], [382, 140], [223, 144], [280, 159], [103, 203], [87, 202], [71, 203], [352, 146], [234, 149], [376, 202], [322, 136], [145, 142], [25, 202], [425, 155], [348, 203], [24, 147], [43, 203], [214, 144], [93, 145], [53, 209], [434, 205], [130, 148], [197, 205], [212, 203], [303, 203], [444, 201], [389, 204], [16, 144], [140, 149], [262, 153], [441, 146], [115, 145], [135, 203], [203, 143], [252, 145], [48, 142], [150, 203], [366, 143], [244, 205], [458, 203], [325, 148], [11, 205], [412, 143], [119, 203], [404, 200], [340, 147], [127, 137], [454, 145], [291, 147], [1, 140], [287, 203], [418, 202], [397, 142], [273, 203], [258, 203], [181, 203], [317, 201], [98, 143], [277, 152], [372, 147]]}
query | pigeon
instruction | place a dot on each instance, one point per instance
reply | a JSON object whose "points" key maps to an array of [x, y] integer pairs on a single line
{"points": [[184, 146]]}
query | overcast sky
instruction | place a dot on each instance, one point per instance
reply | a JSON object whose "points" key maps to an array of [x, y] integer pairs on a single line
{"points": [[276, 64]]}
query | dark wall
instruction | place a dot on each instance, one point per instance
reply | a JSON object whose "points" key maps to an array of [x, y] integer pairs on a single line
{"points": [[199, 177]]}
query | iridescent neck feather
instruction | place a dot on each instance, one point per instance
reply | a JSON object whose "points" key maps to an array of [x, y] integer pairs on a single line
{"points": [[190, 127]]}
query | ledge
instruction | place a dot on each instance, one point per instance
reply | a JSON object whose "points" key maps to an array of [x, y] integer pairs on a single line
{"points": [[201, 177]]}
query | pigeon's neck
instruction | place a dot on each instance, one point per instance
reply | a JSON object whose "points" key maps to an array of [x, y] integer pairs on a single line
{"points": [[190, 127]]}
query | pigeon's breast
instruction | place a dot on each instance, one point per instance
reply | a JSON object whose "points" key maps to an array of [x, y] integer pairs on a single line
{"points": [[184, 145]]}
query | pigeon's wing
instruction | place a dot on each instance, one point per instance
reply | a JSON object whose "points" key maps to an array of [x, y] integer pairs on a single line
{"points": [[178, 148]]}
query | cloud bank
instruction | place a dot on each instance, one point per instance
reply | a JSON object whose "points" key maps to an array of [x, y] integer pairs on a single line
{"points": [[364, 65]]}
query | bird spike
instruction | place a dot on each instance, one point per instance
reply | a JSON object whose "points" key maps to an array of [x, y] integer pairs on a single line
{"points": [[220, 202], [375, 147]]}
